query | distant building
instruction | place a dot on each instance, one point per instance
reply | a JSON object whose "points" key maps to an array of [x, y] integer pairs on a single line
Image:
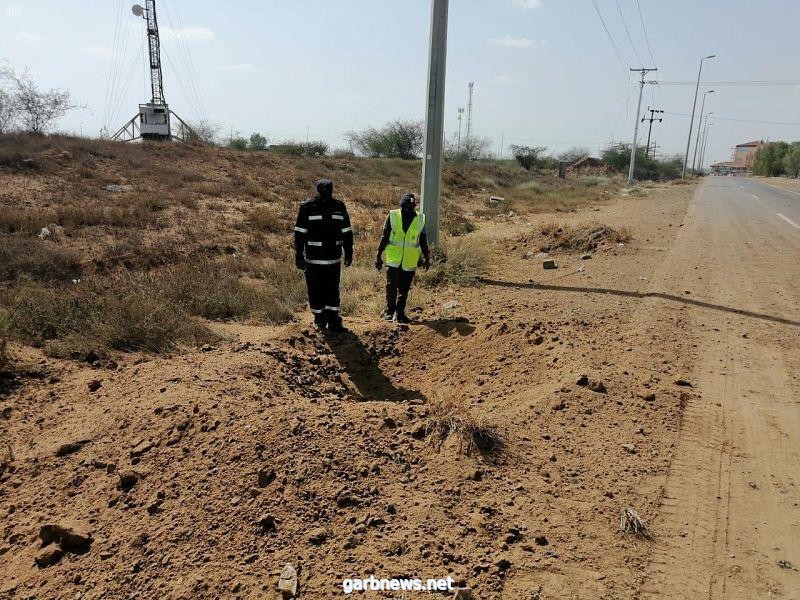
{"points": [[742, 160]]}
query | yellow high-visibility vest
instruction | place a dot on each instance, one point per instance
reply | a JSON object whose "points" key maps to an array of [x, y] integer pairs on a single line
{"points": [[403, 249]]}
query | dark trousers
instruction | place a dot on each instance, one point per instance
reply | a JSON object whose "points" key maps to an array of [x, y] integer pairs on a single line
{"points": [[398, 283], [323, 293]]}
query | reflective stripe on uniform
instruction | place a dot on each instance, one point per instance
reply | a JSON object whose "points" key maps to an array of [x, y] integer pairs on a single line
{"points": [[301, 230], [333, 308], [404, 244], [323, 262], [314, 243], [315, 217], [346, 229], [317, 311], [338, 216]]}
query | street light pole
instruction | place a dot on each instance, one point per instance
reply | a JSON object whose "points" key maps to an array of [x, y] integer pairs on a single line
{"points": [[434, 119], [636, 127], [705, 142], [694, 107], [699, 127]]}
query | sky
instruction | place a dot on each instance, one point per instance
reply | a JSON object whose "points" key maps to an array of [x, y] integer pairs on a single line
{"points": [[545, 71]]}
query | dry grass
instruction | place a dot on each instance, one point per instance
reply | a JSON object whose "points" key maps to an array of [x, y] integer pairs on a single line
{"points": [[208, 232], [457, 261], [631, 523], [580, 238], [454, 417], [5, 361], [271, 218], [35, 259]]}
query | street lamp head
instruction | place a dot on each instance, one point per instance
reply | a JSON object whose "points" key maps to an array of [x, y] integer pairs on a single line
{"points": [[710, 91], [711, 56]]}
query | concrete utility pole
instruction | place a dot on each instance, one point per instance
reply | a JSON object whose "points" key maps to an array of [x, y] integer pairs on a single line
{"points": [[636, 127], [434, 119], [652, 118], [699, 127], [694, 107]]}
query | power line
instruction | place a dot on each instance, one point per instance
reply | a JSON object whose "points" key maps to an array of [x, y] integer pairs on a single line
{"points": [[753, 83], [644, 29], [627, 32], [623, 63], [756, 121]]}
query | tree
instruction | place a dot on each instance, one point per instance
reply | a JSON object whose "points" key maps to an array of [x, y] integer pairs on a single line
{"points": [[768, 161], [37, 109], [573, 155], [203, 132], [397, 139], [472, 148], [257, 142], [8, 112], [791, 161], [529, 157], [618, 158], [237, 143]]}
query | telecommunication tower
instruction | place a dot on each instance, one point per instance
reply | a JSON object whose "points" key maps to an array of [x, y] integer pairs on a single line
{"points": [[153, 120], [469, 112]]}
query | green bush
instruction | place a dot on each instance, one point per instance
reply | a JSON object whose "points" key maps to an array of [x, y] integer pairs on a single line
{"points": [[308, 149], [618, 157], [777, 158], [529, 157], [397, 139], [791, 162]]}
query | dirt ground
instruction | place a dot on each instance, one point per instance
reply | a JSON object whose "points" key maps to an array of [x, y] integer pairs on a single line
{"points": [[283, 445]]}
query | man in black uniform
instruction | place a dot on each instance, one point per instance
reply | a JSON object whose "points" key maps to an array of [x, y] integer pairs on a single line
{"points": [[322, 232]]}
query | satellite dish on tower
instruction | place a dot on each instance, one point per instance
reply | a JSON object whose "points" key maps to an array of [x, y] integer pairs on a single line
{"points": [[137, 10]]}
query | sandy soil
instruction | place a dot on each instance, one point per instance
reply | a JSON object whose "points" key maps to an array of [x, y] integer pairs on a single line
{"points": [[283, 445]]}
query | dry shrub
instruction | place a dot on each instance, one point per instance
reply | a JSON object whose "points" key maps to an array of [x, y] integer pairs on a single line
{"points": [[454, 416], [454, 222], [4, 359], [284, 288], [128, 213], [271, 218], [39, 260], [40, 314], [362, 291], [136, 317], [213, 291], [457, 261], [6, 457], [580, 238], [632, 524]]}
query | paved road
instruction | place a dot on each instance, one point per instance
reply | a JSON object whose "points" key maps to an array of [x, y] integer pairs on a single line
{"points": [[783, 203], [731, 510]]}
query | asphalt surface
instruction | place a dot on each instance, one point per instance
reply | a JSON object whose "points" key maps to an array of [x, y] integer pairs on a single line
{"points": [[730, 526]]}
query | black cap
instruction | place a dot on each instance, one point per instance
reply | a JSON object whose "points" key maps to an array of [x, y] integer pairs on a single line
{"points": [[325, 187], [408, 198]]}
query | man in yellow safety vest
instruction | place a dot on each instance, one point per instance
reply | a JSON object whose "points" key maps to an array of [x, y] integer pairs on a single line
{"points": [[406, 247]]}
